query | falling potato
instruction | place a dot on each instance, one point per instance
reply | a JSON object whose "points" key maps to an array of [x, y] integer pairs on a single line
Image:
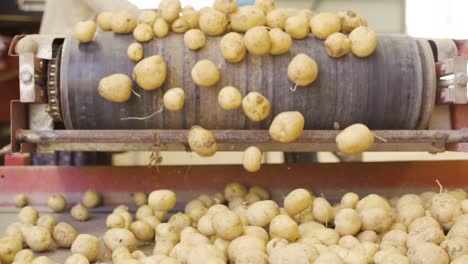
{"points": [[355, 139], [202, 141], [287, 126]]}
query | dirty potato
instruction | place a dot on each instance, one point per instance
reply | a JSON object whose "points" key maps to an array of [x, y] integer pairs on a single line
{"points": [[116, 88], [337, 45], [302, 70], [64, 234], [202, 141], [143, 33], [212, 22], [350, 20], [287, 126], [256, 106]]}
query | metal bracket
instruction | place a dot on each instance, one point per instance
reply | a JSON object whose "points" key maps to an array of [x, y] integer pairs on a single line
{"points": [[452, 82]]}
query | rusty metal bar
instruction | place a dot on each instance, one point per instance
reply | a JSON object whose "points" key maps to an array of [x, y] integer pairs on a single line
{"points": [[232, 140]]}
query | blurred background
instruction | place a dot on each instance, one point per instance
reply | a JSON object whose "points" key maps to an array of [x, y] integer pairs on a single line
{"points": [[419, 18]]}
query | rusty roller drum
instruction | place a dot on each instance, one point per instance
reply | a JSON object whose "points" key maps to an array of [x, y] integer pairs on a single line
{"points": [[392, 89]]}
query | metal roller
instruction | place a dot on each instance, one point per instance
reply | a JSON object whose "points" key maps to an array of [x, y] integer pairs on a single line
{"points": [[392, 89]]}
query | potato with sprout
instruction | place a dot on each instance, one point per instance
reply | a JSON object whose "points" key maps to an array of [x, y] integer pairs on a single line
{"points": [[202, 141], [84, 31], [302, 70], [252, 159], [257, 40], [232, 47], [325, 24], [150, 73], [229, 98], [116, 88], [337, 45], [194, 39], [174, 99], [363, 41], [256, 106], [287, 126], [281, 41], [205, 73], [355, 139], [123, 23]]}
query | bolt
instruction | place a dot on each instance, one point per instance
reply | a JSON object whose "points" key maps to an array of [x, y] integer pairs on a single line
{"points": [[26, 77]]}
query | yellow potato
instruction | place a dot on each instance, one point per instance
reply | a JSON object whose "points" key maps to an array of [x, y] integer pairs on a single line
{"points": [[79, 212], [84, 31], [376, 219], [302, 70], [225, 6], [322, 210], [363, 41], [307, 13], [256, 106], [170, 10], [152, 220], [140, 198], [349, 200], [427, 253], [160, 28], [57, 203], [229, 98], [9, 246], [285, 227], [191, 16], [147, 17], [163, 247], [43, 260], [47, 221], [91, 199], [347, 221], [104, 21], [266, 5], [252, 159], [86, 245], [174, 99], [165, 231], [143, 33], [135, 51], [28, 215], [64, 234], [123, 23], [297, 201], [115, 221], [297, 27], [142, 230], [116, 88], [293, 253], [202, 141], [38, 238], [244, 243], [212, 22], [287, 126], [355, 139], [20, 200], [205, 73], [205, 225], [232, 47], [247, 17], [194, 39], [24, 255], [281, 41], [77, 259], [350, 20], [179, 221], [227, 225], [276, 18], [150, 73], [119, 237], [257, 40], [325, 24], [180, 25], [337, 45], [162, 200]]}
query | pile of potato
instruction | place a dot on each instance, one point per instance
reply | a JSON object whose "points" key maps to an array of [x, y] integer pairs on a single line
{"points": [[258, 29], [244, 226]]}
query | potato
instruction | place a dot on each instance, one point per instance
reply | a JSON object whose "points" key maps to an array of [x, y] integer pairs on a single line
{"points": [[143, 33], [395, 235], [455, 247], [241, 211], [142, 230], [212, 22], [165, 231], [144, 211], [327, 236], [9, 246], [287, 126], [460, 260], [229, 98], [191, 16], [163, 247], [256, 231], [202, 141], [325, 24], [251, 198], [363, 41], [423, 223], [47, 221], [409, 212], [238, 201], [355, 139], [205, 225], [79, 212], [349, 200], [281, 41], [293, 253], [460, 194], [297, 201], [123, 23], [399, 226], [128, 219], [233, 190], [218, 198], [232, 47], [247, 17], [26, 44], [257, 41], [150, 73], [20, 200], [161, 215], [350, 20], [261, 192], [140, 199], [285, 227], [174, 99], [160, 28], [43, 260], [266, 5], [427, 253], [225, 6], [104, 21], [38, 238], [194, 39], [206, 199], [196, 203], [244, 243], [77, 259], [252, 159], [28, 215], [151, 220], [205, 73], [162, 200], [297, 27], [119, 237], [276, 243], [86, 245], [256, 106], [348, 242], [84, 31], [120, 208], [14, 230], [180, 25], [116, 88], [302, 70], [347, 222], [328, 258], [444, 207], [408, 199], [376, 219], [179, 221], [170, 10], [464, 206], [432, 234], [135, 51], [64, 234], [227, 225], [24, 255], [309, 227], [91, 199], [181, 252], [276, 18], [200, 253], [322, 210], [57, 203], [337, 45], [147, 17]]}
